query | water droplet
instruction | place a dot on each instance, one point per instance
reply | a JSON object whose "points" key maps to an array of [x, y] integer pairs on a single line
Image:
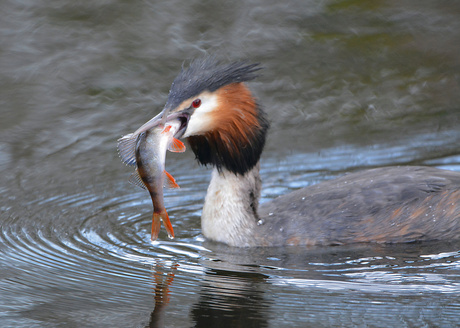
{"points": [[260, 222]]}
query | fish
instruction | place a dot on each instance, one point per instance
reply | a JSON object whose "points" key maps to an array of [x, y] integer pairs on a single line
{"points": [[149, 157], [127, 144]]}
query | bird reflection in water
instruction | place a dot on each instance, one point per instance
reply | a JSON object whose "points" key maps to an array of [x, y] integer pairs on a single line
{"points": [[226, 298], [163, 277], [231, 299]]}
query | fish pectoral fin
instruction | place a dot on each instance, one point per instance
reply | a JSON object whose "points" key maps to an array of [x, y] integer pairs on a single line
{"points": [[136, 180], [176, 146], [170, 182], [127, 149], [156, 224], [166, 129]]}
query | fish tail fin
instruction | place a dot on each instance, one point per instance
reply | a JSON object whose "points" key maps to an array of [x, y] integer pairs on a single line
{"points": [[156, 223], [176, 146]]}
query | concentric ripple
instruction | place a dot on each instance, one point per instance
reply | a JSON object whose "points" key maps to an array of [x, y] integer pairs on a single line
{"points": [[92, 241], [91, 252]]}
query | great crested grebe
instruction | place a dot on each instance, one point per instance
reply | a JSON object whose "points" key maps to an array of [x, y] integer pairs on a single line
{"points": [[226, 128]]}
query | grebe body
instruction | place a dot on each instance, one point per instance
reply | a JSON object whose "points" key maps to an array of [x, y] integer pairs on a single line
{"points": [[226, 128], [383, 205]]}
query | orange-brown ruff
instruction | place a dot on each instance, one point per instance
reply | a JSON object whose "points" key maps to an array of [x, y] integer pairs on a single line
{"points": [[239, 136], [226, 128]]}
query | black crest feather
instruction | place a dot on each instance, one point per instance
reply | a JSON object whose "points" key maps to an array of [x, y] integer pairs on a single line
{"points": [[207, 74], [235, 145]]}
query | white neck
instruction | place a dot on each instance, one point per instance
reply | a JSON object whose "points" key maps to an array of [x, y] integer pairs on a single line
{"points": [[230, 208]]}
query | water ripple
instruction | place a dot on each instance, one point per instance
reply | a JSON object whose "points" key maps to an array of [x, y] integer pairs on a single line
{"points": [[96, 245]]}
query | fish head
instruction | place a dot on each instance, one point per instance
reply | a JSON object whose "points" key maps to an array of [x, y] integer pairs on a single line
{"points": [[127, 144]]}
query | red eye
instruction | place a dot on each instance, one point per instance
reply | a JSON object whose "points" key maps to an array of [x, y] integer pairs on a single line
{"points": [[196, 103]]}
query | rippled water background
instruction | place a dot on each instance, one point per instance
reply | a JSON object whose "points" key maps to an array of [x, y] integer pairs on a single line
{"points": [[347, 84]]}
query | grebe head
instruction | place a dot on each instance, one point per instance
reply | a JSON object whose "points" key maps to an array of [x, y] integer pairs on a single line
{"points": [[220, 118]]}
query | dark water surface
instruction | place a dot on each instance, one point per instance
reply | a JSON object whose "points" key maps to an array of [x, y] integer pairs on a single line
{"points": [[348, 85]]}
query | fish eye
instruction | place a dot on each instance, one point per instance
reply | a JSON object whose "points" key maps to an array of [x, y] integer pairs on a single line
{"points": [[196, 103]]}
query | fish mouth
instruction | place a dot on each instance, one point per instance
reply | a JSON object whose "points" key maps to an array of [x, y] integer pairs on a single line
{"points": [[184, 118]]}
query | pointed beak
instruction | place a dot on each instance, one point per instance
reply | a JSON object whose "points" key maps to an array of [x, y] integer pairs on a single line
{"points": [[159, 119], [167, 115]]}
